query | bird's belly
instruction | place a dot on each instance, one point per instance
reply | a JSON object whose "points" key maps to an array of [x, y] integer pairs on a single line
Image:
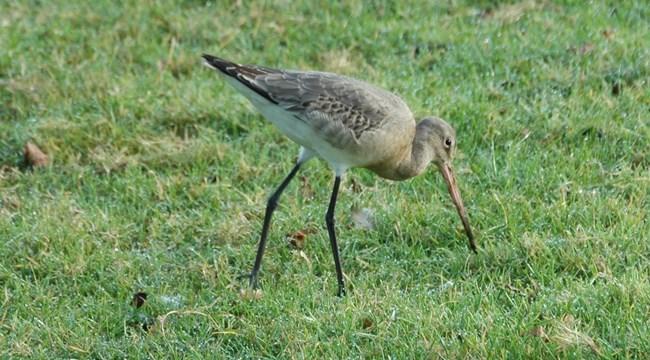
{"points": [[304, 135], [294, 128]]}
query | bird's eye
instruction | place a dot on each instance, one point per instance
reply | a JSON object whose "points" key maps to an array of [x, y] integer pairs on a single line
{"points": [[448, 143]]}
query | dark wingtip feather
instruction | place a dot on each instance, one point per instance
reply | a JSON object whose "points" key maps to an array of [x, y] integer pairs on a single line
{"points": [[217, 63], [239, 72]]}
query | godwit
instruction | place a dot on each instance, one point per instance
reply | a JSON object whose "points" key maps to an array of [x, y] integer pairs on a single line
{"points": [[348, 123]]}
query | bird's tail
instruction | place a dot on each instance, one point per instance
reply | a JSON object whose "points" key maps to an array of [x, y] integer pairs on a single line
{"points": [[245, 74], [219, 64]]}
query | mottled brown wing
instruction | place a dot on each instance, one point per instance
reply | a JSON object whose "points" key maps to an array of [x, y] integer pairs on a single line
{"points": [[340, 109]]}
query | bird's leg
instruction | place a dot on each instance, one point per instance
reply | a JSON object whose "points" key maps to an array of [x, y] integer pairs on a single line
{"points": [[270, 207], [329, 220]]}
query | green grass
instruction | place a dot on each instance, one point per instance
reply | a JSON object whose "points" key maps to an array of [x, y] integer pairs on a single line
{"points": [[160, 173]]}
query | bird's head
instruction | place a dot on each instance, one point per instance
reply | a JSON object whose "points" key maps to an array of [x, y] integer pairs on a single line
{"points": [[441, 138]]}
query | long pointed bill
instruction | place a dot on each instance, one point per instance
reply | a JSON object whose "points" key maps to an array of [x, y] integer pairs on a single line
{"points": [[448, 174]]}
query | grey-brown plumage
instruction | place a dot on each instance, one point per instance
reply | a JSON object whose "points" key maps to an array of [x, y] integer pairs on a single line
{"points": [[347, 114], [347, 122]]}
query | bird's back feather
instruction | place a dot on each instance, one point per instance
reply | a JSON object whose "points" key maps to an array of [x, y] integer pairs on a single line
{"points": [[339, 110]]}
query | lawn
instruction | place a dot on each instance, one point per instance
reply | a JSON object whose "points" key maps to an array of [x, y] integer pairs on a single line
{"points": [[159, 173]]}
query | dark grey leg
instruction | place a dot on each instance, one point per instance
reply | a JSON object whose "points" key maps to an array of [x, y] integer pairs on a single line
{"points": [[329, 220], [270, 207]]}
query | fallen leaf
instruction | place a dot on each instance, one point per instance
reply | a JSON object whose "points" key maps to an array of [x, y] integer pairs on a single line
{"points": [[297, 239], [138, 299], [34, 156], [363, 218]]}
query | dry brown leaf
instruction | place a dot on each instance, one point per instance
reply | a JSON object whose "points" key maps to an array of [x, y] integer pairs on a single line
{"points": [[34, 156], [297, 239]]}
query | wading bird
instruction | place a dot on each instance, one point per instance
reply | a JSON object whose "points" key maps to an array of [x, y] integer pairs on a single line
{"points": [[348, 123]]}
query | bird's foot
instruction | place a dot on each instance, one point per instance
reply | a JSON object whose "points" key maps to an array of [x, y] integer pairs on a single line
{"points": [[252, 292], [341, 292], [252, 280]]}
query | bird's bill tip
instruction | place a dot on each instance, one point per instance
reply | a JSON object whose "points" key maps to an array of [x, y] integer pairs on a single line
{"points": [[448, 175]]}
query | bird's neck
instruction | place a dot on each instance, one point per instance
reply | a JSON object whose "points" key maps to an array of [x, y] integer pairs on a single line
{"points": [[413, 160], [420, 157]]}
